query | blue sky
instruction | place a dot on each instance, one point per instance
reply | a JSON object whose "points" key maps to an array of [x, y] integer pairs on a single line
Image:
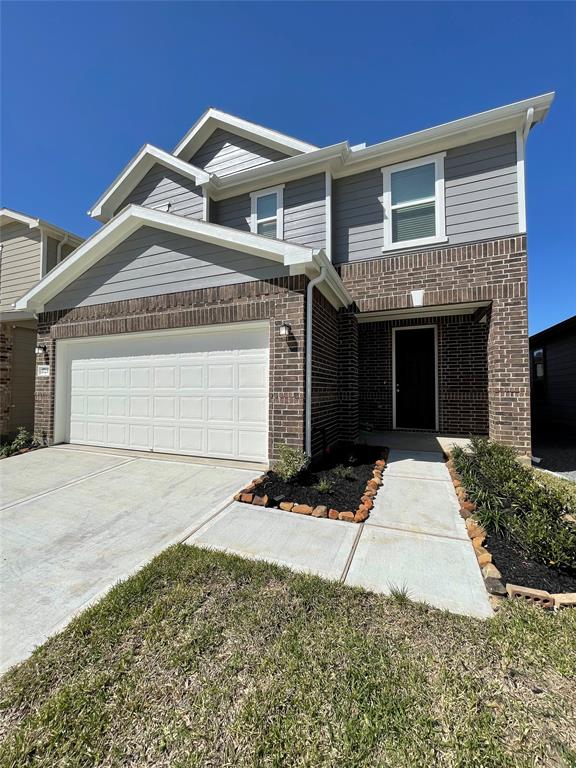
{"points": [[85, 84]]}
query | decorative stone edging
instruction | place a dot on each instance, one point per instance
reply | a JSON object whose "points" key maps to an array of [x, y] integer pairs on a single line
{"points": [[250, 495], [492, 576]]}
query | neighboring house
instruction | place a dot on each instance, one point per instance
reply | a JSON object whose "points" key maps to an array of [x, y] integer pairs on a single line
{"points": [[29, 249], [250, 288], [553, 360]]}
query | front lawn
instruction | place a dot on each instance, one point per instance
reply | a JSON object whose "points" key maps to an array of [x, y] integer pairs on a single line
{"points": [[205, 659]]}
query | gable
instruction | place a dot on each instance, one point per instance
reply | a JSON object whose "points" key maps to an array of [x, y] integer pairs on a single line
{"points": [[165, 189], [225, 153], [152, 262]]}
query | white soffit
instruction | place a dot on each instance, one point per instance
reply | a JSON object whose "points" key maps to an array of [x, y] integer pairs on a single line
{"points": [[412, 313]]}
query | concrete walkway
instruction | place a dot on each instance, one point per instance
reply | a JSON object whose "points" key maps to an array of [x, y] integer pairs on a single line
{"points": [[74, 522], [414, 539]]}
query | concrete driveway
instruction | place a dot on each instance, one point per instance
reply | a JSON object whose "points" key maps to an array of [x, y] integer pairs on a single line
{"points": [[73, 522]]}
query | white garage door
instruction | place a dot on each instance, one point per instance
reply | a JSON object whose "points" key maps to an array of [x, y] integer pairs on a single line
{"points": [[202, 393]]}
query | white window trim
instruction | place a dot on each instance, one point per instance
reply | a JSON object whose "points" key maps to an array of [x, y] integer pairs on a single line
{"points": [[439, 201], [254, 221]]}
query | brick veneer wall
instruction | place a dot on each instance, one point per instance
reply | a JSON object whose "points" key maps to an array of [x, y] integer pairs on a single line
{"points": [[325, 424], [494, 271], [349, 374], [6, 340], [462, 373], [275, 300]]}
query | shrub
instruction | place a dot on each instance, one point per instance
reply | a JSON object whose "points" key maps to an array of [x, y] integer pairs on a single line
{"points": [[22, 440], [290, 462], [512, 500], [343, 472], [324, 485]]}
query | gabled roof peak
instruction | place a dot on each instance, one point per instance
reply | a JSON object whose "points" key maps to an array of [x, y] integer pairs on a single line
{"points": [[215, 118]]}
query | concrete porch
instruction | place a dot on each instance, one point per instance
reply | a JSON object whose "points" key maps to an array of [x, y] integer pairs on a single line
{"points": [[413, 441]]}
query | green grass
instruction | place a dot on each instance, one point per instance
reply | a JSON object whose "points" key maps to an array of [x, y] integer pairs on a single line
{"points": [[204, 659]]}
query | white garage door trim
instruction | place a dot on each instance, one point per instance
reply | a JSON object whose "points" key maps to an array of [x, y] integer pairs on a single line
{"points": [[193, 391]]}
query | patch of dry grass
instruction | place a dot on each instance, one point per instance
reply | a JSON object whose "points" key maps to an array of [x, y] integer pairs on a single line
{"points": [[204, 659]]}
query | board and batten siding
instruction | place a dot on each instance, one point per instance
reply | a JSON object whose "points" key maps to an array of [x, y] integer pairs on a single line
{"points": [[481, 200], [20, 262], [225, 153], [304, 211], [162, 186], [152, 262]]}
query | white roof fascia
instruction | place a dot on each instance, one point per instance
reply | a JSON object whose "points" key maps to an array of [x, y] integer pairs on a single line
{"points": [[344, 162], [327, 158], [214, 118], [131, 219], [131, 174], [9, 215]]}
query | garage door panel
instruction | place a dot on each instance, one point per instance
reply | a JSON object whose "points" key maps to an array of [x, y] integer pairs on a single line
{"points": [[200, 394]]}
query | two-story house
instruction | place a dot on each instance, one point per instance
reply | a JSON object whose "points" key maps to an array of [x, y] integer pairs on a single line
{"points": [[29, 249], [249, 288]]}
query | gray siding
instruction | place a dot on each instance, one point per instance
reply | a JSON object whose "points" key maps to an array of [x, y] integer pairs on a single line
{"points": [[20, 262], [481, 200], [225, 153], [481, 190], [304, 211], [161, 186], [152, 262], [52, 252]]}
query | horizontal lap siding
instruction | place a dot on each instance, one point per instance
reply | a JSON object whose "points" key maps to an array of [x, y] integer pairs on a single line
{"points": [[481, 200], [481, 190], [19, 263], [152, 262], [161, 186], [304, 211], [554, 398], [225, 153]]}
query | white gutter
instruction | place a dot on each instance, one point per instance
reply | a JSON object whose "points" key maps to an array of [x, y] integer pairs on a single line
{"points": [[309, 304]]}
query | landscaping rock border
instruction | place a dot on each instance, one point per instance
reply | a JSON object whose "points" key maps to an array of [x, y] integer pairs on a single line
{"points": [[493, 582], [250, 495]]}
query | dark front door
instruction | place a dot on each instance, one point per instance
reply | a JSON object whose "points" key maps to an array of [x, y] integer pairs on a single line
{"points": [[415, 359]]}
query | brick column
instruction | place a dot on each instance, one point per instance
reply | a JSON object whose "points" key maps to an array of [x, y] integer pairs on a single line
{"points": [[509, 373], [45, 388], [348, 375], [5, 376]]}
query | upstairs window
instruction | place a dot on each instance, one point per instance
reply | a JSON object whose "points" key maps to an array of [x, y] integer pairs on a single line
{"points": [[413, 203], [267, 210]]}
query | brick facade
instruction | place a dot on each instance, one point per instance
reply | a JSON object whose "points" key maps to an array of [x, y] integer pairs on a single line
{"points": [[325, 416], [462, 373], [6, 340], [274, 300], [494, 271]]}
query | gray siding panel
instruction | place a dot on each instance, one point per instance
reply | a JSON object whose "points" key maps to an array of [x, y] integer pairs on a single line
{"points": [[152, 262], [20, 264], [304, 211], [225, 153], [161, 186], [481, 200]]}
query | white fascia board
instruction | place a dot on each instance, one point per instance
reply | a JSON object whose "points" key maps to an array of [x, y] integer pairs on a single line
{"points": [[137, 168], [131, 219], [281, 171], [7, 216], [483, 125], [215, 118], [332, 286]]}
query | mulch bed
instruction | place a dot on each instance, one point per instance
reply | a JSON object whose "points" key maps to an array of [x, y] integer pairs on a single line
{"points": [[517, 568], [345, 495]]}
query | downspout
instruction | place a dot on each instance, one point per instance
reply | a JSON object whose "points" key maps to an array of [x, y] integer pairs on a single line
{"points": [[309, 304], [61, 244]]}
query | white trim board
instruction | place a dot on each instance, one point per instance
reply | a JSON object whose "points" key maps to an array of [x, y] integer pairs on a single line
{"points": [[215, 118], [412, 313], [437, 398], [149, 156]]}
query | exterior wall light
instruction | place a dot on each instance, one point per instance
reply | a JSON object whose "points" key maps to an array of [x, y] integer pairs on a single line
{"points": [[41, 349], [285, 329]]}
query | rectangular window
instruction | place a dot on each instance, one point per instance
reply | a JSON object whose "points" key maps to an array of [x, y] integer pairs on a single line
{"points": [[267, 213], [538, 366], [413, 203]]}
